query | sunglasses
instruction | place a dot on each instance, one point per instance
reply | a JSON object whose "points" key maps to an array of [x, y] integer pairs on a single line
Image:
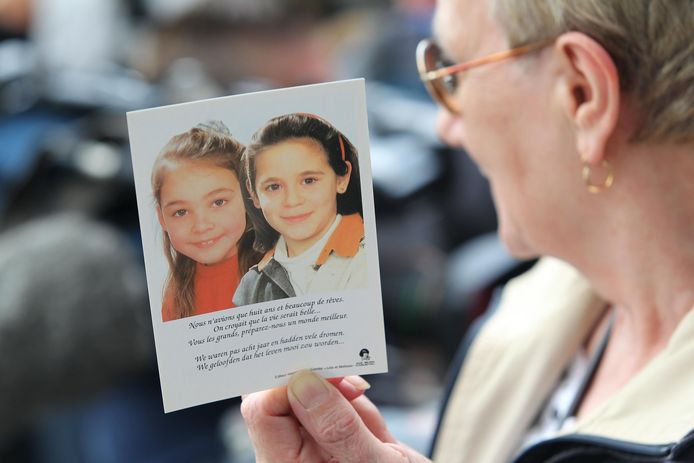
{"points": [[440, 76]]}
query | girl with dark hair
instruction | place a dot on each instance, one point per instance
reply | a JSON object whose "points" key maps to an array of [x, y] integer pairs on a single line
{"points": [[303, 178], [208, 239]]}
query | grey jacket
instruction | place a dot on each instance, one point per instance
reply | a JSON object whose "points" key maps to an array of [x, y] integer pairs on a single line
{"points": [[342, 261], [268, 284]]}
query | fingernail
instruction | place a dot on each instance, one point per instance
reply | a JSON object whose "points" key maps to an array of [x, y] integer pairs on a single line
{"points": [[308, 388], [359, 383]]}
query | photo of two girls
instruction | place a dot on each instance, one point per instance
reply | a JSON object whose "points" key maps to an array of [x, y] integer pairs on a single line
{"points": [[281, 217]]}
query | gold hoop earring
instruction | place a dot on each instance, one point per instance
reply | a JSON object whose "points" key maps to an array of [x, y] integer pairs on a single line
{"points": [[606, 184]]}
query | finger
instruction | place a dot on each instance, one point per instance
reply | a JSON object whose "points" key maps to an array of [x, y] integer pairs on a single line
{"points": [[351, 387], [271, 402], [336, 380], [333, 422], [373, 419], [274, 432]]}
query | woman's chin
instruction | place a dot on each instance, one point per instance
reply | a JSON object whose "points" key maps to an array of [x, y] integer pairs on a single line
{"points": [[517, 246]]}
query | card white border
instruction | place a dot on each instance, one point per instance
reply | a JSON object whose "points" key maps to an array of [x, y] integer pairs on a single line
{"points": [[344, 105]]}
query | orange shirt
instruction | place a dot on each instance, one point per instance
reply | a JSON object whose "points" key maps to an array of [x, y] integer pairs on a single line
{"points": [[214, 288]]}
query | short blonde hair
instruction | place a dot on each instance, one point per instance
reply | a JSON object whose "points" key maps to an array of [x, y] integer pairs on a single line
{"points": [[650, 41]]}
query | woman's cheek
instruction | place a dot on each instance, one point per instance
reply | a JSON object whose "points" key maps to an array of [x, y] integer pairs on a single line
{"points": [[265, 201], [175, 231], [240, 227]]}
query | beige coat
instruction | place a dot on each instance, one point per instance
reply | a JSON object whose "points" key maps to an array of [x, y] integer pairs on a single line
{"points": [[519, 355]]}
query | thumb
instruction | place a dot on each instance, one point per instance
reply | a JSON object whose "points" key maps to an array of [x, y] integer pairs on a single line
{"points": [[333, 422]]}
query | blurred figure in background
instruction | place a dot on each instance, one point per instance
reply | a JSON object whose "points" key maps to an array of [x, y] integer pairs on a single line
{"points": [[14, 16], [72, 315]]}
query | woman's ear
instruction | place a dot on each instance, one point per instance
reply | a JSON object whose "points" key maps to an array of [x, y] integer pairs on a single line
{"points": [[252, 194], [343, 180], [589, 93], [160, 217]]}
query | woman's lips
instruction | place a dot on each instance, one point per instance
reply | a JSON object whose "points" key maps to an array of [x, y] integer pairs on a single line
{"points": [[296, 218], [206, 243]]}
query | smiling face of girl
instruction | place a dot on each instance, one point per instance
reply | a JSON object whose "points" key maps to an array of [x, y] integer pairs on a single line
{"points": [[297, 191], [201, 208]]}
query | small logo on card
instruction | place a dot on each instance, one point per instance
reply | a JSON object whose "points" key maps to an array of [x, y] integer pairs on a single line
{"points": [[365, 356]]}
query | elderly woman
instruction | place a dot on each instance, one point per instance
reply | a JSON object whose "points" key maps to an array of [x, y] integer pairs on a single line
{"points": [[580, 113]]}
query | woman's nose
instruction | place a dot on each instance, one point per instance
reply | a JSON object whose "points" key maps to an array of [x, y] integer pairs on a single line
{"points": [[292, 196], [449, 128], [201, 223]]}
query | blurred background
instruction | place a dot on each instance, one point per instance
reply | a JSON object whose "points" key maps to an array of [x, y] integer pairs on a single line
{"points": [[78, 375]]}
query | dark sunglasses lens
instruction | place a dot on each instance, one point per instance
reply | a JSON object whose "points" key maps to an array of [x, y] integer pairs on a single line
{"points": [[436, 60], [449, 83], [444, 88]]}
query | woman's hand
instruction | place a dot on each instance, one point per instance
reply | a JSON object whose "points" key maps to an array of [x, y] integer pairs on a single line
{"points": [[312, 421]]}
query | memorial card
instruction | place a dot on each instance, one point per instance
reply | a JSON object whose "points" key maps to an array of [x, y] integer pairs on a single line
{"points": [[259, 239]]}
